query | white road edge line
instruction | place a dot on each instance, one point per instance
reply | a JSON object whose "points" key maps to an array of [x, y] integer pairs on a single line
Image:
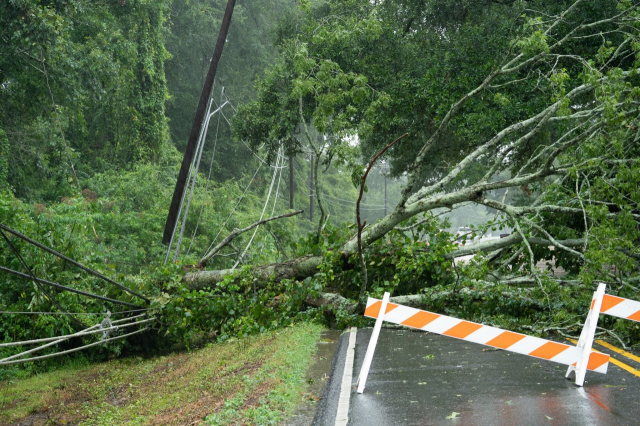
{"points": [[342, 416]]}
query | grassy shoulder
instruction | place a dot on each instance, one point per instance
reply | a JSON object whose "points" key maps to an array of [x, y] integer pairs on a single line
{"points": [[254, 380]]}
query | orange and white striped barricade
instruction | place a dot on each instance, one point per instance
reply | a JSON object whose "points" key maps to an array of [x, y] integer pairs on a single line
{"points": [[602, 304], [621, 308], [477, 333], [587, 335]]}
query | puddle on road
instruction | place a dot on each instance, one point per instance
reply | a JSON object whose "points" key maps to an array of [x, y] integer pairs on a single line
{"points": [[317, 377]]}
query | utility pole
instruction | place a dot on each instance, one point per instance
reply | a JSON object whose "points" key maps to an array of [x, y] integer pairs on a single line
{"points": [[311, 187], [385, 194], [172, 217], [291, 157]]}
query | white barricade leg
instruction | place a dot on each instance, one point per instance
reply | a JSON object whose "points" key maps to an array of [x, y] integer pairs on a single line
{"points": [[587, 335], [368, 357]]}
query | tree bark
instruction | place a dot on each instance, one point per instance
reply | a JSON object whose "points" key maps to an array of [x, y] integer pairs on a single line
{"points": [[299, 269], [303, 267]]}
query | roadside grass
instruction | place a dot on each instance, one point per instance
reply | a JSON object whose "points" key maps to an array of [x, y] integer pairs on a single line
{"points": [[254, 380]]}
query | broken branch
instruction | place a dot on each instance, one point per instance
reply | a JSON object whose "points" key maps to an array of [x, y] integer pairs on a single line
{"points": [[237, 232]]}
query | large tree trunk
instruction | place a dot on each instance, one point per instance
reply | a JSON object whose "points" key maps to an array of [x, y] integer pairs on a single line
{"points": [[299, 269]]}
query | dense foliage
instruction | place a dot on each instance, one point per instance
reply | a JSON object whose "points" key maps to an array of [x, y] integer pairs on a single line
{"points": [[81, 83]]}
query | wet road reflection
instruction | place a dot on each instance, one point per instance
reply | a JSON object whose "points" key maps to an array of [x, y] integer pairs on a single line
{"points": [[425, 379]]}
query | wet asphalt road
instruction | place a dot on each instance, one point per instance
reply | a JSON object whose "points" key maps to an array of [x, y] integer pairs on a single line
{"points": [[419, 378]]}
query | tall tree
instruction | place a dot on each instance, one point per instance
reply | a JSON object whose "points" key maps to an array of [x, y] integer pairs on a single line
{"points": [[248, 52]]}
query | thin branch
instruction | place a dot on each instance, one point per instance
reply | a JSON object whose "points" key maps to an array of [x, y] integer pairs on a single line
{"points": [[418, 223], [203, 262], [363, 180]]}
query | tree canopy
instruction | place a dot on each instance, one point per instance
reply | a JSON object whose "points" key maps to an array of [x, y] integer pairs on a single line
{"points": [[83, 83]]}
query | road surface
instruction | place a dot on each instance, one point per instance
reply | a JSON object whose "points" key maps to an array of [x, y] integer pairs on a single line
{"points": [[418, 378]]}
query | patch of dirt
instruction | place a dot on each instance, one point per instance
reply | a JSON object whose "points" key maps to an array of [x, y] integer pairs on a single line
{"points": [[213, 377], [193, 412], [253, 399], [59, 405], [38, 419], [248, 367], [173, 362], [118, 397]]}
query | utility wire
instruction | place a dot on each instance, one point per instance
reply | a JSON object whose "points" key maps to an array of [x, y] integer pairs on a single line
{"points": [[184, 193], [35, 280], [194, 175], [234, 208], [370, 207], [98, 328], [73, 262], [273, 178], [275, 199], [68, 313], [262, 160], [206, 189], [62, 287], [86, 331], [19, 361]]}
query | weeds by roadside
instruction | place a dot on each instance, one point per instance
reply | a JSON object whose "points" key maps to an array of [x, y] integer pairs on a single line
{"points": [[255, 380]]}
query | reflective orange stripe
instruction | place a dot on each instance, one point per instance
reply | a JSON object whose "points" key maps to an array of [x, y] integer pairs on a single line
{"points": [[620, 307], [420, 319], [635, 317], [597, 359], [374, 310], [549, 350], [462, 330], [506, 339], [609, 302]]}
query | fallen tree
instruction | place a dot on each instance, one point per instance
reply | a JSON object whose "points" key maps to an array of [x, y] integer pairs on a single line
{"points": [[573, 158]]}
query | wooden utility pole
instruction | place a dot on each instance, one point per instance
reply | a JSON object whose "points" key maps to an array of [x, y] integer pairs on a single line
{"points": [[172, 217], [311, 187], [291, 157], [385, 195]]}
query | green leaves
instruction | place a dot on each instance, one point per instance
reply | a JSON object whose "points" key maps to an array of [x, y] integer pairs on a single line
{"points": [[534, 41], [332, 101], [236, 307], [87, 73], [4, 161]]}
